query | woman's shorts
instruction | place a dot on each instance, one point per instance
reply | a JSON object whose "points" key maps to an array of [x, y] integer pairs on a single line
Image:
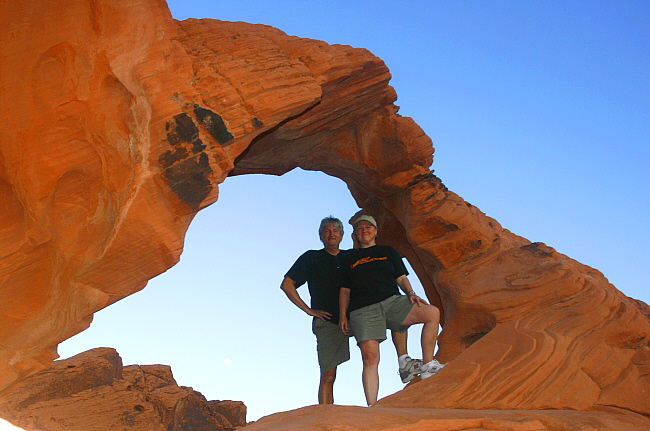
{"points": [[332, 344], [370, 322]]}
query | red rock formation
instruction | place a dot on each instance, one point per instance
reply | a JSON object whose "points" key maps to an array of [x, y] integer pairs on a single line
{"points": [[93, 391], [131, 122], [403, 419]]}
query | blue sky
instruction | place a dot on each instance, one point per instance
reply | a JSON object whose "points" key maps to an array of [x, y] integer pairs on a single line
{"points": [[539, 113]]}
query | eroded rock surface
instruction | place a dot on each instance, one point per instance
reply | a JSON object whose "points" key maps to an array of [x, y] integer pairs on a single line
{"points": [[414, 419], [93, 391], [130, 122]]}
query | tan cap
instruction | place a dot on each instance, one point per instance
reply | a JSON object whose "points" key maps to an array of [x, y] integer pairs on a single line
{"points": [[370, 219]]}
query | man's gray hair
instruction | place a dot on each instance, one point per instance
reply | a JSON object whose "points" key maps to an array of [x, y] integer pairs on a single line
{"points": [[330, 220]]}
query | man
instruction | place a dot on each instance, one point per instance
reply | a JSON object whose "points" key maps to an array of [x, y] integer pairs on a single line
{"points": [[320, 269]]}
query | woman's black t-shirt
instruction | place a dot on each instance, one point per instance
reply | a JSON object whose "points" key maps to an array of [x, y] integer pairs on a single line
{"points": [[370, 274]]}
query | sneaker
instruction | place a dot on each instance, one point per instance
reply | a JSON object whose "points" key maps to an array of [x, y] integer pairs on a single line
{"points": [[430, 368], [410, 370]]}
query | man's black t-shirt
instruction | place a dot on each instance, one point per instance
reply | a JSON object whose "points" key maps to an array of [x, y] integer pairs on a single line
{"points": [[371, 273], [321, 272]]}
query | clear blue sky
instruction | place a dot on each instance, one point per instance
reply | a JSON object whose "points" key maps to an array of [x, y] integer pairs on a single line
{"points": [[540, 116]]}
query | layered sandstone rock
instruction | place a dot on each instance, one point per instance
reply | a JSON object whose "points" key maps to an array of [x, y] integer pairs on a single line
{"points": [[347, 418], [130, 122], [93, 391]]}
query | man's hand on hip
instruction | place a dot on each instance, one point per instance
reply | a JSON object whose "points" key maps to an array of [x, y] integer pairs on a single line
{"points": [[322, 315]]}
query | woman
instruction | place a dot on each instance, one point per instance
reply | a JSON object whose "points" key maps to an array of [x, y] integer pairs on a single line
{"points": [[373, 275]]}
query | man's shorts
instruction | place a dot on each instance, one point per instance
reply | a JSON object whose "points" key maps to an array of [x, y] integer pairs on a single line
{"points": [[332, 344], [370, 322]]}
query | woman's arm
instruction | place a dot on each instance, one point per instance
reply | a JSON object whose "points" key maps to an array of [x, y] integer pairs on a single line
{"points": [[404, 284]]}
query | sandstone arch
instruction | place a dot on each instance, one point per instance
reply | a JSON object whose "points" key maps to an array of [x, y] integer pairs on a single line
{"points": [[146, 123]]}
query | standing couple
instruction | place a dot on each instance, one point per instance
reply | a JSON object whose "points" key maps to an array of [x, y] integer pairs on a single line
{"points": [[364, 282]]}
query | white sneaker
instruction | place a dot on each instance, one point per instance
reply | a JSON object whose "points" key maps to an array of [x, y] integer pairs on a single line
{"points": [[430, 368], [410, 369]]}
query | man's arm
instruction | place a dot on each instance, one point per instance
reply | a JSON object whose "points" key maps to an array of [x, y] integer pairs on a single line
{"points": [[404, 284], [288, 286], [344, 301]]}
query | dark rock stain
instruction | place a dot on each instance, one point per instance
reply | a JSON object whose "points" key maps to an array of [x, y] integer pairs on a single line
{"points": [[198, 146], [185, 166], [185, 128], [213, 123], [538, 249], [190, 179], [170, 157], [173, 139], [476, 243]]}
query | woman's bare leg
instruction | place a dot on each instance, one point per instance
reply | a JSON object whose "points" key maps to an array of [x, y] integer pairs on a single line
{"points": [[370, 374], [429, 315]]}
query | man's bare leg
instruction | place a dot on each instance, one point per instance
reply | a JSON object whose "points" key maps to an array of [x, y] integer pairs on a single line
{"points": [[370, 374], [326, 387], [400, 342]]}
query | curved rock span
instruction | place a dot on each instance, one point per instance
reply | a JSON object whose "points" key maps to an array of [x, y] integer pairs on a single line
{"points": [[130, 120]]}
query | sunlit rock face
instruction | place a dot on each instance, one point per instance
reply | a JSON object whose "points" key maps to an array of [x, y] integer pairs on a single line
{"points": [[92, 391], [118, 123], [405, 419]]}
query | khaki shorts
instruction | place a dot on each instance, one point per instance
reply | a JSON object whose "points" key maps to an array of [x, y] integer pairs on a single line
{"points": [[332, 344], [370, 322]]}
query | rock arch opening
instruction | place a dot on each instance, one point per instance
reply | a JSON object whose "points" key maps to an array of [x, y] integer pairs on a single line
{"points": [[218, 317]]}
